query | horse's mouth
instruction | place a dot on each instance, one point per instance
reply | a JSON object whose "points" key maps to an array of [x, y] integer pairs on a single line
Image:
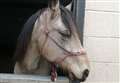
{"points": [[76, 80]]}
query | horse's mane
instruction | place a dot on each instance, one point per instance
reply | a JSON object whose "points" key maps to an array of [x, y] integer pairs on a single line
{"points": [[25, 37]]}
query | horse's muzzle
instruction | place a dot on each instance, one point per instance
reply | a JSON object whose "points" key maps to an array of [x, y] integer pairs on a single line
{"points": [[84, 76]]}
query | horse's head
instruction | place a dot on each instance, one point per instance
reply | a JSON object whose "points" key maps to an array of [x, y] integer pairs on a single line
{"points": [[59, 41]]}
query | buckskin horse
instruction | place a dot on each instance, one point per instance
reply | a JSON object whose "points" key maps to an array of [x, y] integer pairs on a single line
{"points": [[49, 40]]}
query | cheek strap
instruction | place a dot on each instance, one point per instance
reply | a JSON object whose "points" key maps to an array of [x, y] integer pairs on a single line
{"points": [[66, 52]]}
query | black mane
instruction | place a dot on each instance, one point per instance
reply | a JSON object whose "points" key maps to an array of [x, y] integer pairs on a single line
{"points": [[24, 37]]}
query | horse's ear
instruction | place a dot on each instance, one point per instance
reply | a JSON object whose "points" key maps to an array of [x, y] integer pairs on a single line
{"points": [[54, 6], [69, 6]]}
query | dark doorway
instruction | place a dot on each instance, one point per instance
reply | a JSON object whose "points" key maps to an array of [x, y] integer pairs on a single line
{"points": [[13, 14]]}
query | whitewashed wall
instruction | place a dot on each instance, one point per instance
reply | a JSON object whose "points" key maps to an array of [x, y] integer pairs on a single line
{"points": [[101, 37], [10, 78]]}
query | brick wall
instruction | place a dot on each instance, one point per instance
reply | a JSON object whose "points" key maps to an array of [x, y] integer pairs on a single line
{"points": [[101, 38]]}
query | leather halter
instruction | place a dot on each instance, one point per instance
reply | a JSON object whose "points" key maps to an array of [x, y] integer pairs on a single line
{"points": [[58, 61]]}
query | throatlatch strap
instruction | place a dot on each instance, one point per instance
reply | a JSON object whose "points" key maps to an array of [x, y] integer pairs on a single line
{"points": [[53, 72]]}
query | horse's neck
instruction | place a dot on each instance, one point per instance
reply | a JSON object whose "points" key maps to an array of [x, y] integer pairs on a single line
{"points": [[33, 63], [42, 68]]}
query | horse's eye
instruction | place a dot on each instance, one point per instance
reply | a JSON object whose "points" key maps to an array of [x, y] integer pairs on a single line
{"points": [[65, 33]]}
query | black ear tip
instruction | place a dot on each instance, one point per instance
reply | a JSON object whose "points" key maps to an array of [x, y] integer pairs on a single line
{"points": [[53, 3], [62, 2], [65, 2]]}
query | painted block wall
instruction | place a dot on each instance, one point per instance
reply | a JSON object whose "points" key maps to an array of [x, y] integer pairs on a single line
{"points": [[10, 78], [101, 38]]}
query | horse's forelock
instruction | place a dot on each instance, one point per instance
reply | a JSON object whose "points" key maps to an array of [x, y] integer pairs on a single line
{"points": [[67, 18]]}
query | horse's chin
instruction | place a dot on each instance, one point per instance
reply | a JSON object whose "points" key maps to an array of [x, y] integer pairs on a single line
{"points": [[75, 81]]}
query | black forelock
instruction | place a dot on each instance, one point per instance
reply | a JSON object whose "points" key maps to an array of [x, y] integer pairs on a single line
{"points": [[67, 17]]}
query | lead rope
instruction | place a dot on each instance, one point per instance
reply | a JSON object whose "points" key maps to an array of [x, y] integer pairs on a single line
{"points": [[53, 72]]}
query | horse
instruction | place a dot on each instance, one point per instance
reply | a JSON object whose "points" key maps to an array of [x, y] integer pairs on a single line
{"points": [[49, 40]]}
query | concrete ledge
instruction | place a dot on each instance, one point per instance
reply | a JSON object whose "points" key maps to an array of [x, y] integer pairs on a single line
{"points": [[12, 78]]}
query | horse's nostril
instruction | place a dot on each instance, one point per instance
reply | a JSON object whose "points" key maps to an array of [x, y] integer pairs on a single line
{"points": [[85, 73]]}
